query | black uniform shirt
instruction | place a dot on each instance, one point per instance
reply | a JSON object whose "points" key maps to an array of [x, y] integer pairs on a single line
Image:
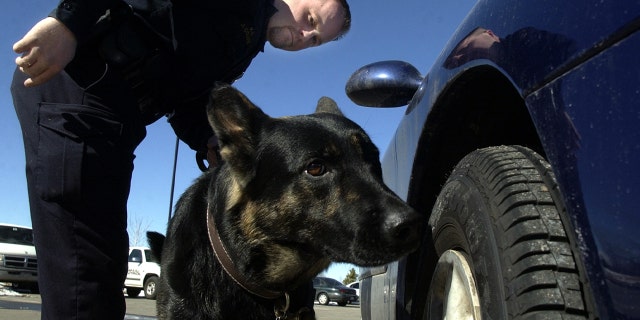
{"points": [[215, 40]]}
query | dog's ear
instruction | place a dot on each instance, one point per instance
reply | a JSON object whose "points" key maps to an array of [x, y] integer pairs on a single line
{"points": [[235, 121], [328, 105]]}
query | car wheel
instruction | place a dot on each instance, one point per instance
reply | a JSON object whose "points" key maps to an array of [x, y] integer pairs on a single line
{"points": [[342, 304], [323, 299], [34, 288], [502, 246], [31, 286], [133, 292], [150, 287]]}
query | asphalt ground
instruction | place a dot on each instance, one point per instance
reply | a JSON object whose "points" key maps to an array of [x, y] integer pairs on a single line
{"points": [[27, 307]]}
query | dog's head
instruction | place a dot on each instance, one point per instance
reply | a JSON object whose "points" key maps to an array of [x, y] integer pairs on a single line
{"points": [[309, 187]]}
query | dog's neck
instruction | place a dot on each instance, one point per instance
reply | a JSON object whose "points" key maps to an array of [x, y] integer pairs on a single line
{"points": [[229, 267], [280, 299], [272, 264]]}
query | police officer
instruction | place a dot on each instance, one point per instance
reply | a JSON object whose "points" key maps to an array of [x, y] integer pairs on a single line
{"points": [[89, 78]]}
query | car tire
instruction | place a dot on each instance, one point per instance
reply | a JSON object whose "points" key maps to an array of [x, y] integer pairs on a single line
{"points": [[150, 286], [342, 304], [504, 252], [323, 298], [133, 292], [33, 288]]}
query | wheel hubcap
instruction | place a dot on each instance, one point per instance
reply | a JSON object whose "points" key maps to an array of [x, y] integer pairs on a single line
{"points": [[151, 288], [453, 293]]}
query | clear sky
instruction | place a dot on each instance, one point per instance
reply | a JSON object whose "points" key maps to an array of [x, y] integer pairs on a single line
{"points": [[281, 83]]}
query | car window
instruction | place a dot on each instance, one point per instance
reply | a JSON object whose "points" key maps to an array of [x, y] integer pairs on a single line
{"points": [[355, 285], [334, 282], [135, 256], [16, 235]]}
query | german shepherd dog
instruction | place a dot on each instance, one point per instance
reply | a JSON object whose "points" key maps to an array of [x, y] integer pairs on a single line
{"points": [[291, 195]]}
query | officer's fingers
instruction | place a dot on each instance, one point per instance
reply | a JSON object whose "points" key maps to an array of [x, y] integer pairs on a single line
{"points": [[40, 78], [33, 69], [28, 41], [20, 62], [27, 60], [21, 46]]}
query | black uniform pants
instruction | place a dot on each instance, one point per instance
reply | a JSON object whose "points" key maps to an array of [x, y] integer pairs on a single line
{"points": [[80, 130]]}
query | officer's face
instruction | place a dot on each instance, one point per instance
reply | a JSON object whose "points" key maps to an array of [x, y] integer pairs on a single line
{"points": [[300, 24]]}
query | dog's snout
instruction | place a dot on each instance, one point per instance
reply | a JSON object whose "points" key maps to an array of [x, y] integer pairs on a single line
{"points": [[403, 227]]}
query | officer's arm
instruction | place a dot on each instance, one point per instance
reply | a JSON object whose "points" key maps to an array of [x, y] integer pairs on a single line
{"points": [[51, 44], [79, 16], [192, 127]]}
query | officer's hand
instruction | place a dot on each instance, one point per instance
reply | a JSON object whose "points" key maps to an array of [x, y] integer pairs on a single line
{"points": [[211, 154], [46, 49]]}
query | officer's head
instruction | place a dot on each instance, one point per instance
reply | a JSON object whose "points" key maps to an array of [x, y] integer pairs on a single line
{"points": [[301, 24]]}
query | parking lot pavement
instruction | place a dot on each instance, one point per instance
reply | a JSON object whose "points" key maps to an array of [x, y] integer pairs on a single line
{"points": [[335, 312], [20, 307], [27, 307]]}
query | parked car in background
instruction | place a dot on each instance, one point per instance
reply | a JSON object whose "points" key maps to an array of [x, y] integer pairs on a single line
{"points": [[355, 286], [143, 273], [522, 146], [18, 261], [332, 290]]}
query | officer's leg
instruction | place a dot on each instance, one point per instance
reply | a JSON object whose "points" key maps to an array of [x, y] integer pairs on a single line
{"points": [[79, 154]]}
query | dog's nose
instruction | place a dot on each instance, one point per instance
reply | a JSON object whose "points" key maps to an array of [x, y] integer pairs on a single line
{"points": [[403, 227]]}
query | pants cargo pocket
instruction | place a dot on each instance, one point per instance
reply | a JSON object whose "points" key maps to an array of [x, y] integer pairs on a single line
{"points": [[68, 136]]}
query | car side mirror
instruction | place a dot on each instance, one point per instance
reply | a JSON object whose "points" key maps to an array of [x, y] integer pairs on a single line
{"points": [[384, 84]]}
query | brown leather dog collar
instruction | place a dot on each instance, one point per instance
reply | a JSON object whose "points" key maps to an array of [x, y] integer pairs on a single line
{"points": [[281, 310], [228, 266]]}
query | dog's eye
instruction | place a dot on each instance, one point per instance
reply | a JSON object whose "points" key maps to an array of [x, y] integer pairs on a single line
{"points": [[316, 168]]}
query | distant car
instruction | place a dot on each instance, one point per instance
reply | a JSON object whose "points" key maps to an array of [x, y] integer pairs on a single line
{"points": [[332, 290], [18, 261], [143, 273], [355, 286], [522, 146]]}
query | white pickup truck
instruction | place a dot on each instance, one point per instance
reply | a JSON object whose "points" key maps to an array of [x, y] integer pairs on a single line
{"points": [[143, 273], [18, 261]]}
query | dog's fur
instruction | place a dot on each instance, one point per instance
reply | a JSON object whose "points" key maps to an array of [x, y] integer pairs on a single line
{"points": [[291, 195]]}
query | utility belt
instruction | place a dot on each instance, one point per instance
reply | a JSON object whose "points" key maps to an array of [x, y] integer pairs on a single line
{"points": [[128, 37]]}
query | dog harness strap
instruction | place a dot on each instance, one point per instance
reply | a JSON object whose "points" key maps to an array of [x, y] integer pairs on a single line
{"points": [[227, 265]]}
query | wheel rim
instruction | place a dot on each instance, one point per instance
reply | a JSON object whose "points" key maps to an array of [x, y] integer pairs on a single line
{"points": [[151, 288], [323, 299], [453, 293]]}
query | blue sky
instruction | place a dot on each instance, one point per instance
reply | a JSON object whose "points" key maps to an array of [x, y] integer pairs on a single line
{"points": [[281, 83]]}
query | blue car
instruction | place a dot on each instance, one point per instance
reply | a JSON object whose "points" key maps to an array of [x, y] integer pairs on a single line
{"points": [[522, 147]]}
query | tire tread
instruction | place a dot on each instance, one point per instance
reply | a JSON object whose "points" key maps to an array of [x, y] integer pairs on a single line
{"points": [[542, 280]]}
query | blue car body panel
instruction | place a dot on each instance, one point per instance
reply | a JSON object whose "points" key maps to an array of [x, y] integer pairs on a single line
{"points": [[575, 67]]}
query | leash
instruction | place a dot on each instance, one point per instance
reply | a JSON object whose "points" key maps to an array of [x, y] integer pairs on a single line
{"points": [[281, 311]]}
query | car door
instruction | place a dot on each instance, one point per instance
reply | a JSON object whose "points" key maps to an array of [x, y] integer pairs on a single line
{"points": [[135, 259]]}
